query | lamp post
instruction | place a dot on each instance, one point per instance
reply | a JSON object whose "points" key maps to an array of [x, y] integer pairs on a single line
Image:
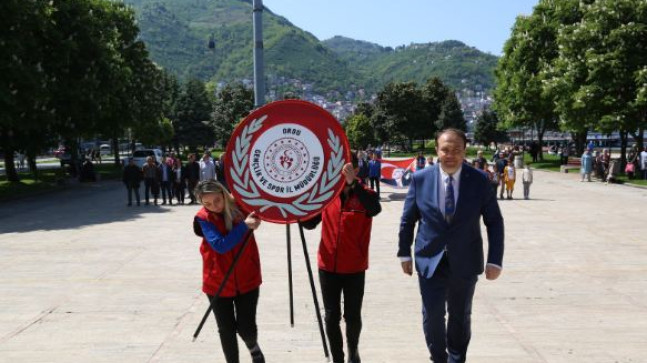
{"points": [[259, 80]]}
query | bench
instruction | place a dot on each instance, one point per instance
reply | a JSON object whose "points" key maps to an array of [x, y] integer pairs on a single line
{"points": [[571, 163]]}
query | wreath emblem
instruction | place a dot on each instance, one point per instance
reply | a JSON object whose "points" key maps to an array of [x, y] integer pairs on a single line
{"points": [[309, 201]]}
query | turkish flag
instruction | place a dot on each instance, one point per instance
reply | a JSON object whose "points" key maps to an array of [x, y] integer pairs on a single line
{"points": [[397, 172]]}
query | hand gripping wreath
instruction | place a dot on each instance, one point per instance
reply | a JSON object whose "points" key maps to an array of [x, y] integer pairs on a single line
{"points": [[285, 160]]}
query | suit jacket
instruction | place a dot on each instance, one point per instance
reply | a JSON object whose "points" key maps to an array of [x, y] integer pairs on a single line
{"points": [[461, 237]]}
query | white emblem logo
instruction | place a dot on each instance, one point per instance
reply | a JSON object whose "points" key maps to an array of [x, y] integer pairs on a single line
{"points": [[286, 160]]}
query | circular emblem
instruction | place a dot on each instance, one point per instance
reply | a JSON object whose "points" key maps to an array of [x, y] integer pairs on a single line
{"points": [[289, 156], [285, 160]]}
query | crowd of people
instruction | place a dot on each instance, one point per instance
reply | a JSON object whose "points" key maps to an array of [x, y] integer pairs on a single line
{"points": [[171, 178], [600, 165]]}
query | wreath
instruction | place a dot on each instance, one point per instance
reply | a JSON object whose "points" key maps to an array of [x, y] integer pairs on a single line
{"points": [[307, 202]]}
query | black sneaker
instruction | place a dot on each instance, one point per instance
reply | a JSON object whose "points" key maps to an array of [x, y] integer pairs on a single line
{"points": [[354, 358], [258, 357]]}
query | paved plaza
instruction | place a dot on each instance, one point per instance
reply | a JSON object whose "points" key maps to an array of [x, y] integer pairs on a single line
{"points": [[83, 278]]}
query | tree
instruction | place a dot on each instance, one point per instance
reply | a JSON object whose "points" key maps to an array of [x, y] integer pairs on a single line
{"points": [[486, 130], [364, 108], [402, 111], [23, 93], [232, 104], [608, 49], [451, 114], [192, 113], [521, 96], [568, 73], [434, 94], [359, 131]]}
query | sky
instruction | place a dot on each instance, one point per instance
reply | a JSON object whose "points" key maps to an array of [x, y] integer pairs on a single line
{"points": [[484, 24]]}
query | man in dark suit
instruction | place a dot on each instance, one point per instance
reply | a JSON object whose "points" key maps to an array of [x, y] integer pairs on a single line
{"points": [[447, 201]]}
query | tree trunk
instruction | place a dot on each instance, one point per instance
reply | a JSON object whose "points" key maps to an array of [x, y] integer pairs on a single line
{"points": [[7, 147], [74, 157], [9, 166], [115, 148], [580, 141], [541, 130], [31, 162]]}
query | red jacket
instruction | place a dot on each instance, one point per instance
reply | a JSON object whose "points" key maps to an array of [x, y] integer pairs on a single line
{"points": [[346, 230], [247, 273]]}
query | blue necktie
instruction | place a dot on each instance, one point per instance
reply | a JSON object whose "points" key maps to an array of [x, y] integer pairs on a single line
{"points": [[449, 200]]}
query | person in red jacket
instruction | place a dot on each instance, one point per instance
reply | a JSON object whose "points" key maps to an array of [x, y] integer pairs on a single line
{"points": [[223, 228], [343, 259]]}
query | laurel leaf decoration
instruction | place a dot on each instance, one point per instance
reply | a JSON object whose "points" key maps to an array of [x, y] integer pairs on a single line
{"points": [[308, 202]]}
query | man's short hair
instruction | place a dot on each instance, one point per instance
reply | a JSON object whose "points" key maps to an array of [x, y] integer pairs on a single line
{"points": [[458, 132]]}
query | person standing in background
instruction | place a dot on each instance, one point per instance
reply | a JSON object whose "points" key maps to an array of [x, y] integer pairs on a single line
{"points": [[132, 178], [192, 176], [526, 178], [643, 162], [586, 163], [151, 179], [374, 173], [420, 161], [207, 168], [510, 177], [166, 180], [362, 165], [179, 177]]}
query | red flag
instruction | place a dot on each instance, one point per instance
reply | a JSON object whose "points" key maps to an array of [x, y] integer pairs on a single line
{"points": [[397, 172]]}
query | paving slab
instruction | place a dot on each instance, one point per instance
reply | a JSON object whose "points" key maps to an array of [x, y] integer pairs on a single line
{"points": [[87, 279]]}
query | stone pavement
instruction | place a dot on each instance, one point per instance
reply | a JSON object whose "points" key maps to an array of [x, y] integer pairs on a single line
{"points": [[86, 279]]}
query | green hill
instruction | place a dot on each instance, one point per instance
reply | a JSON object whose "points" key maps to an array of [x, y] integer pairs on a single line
{"points": [[177, 33], [455, 63]]}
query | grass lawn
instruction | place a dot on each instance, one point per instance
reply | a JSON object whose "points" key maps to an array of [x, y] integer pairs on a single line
{"points": [[47, 181], [623, 179]]}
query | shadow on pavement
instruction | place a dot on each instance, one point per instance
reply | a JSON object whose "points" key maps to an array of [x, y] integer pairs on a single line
{"points": [[78, 207], [394, 197]]}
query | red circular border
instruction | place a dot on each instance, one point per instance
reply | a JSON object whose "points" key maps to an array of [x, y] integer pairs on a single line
{"points": [[317, 120]]}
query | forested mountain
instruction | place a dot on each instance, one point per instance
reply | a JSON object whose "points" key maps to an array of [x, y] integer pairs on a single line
{"points": [[177, 34], [452, 61]]}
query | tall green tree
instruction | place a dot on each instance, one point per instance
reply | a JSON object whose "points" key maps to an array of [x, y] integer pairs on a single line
{"points": [[569, 72], [451, 114], [521, 97], [404, 114], [23, 92], [359, 131], [233, 102], [434, 94], [192, 114], [364, 108], [608, 46], [486, 130]]}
